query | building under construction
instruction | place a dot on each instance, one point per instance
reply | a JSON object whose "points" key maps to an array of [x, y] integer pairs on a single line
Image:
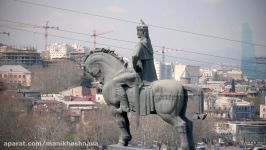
{"points": [[11, 55]]}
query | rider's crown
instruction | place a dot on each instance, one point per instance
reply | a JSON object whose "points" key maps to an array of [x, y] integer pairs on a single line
{"points": [[142, 27]]}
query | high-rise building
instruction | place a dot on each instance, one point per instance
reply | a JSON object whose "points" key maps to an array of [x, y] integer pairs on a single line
{"points": [[166, 71], [248, 61], [163, 70], [261, 67]]}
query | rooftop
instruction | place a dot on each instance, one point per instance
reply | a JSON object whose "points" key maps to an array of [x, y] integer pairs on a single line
{"points": [[185, 75], [233, 93], [13, 68]]}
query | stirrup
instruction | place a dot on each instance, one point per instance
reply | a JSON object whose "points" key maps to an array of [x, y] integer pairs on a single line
{"points": [[123, 109]]}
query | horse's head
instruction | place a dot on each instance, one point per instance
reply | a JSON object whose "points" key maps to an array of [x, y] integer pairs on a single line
{"points": [[103, 64]]}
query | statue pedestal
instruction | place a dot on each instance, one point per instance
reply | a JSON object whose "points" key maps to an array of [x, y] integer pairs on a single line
{"points": [[117, 147]]}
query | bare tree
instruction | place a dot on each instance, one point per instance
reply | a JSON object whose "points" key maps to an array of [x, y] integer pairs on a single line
{"points": [[57, 77]]}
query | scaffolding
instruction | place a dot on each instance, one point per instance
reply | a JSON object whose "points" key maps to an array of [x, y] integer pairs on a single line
{"points": [[28, 56]]}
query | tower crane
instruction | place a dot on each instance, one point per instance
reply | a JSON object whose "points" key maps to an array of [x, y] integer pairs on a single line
{"points": [[46, 27], [94, 35]]}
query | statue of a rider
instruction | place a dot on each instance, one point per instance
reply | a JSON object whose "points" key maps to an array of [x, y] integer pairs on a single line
{"points": [[144, 70], [142, 59]]}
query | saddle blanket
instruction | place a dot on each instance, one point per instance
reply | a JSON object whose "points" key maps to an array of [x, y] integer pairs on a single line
{"points": [[146, 100]]}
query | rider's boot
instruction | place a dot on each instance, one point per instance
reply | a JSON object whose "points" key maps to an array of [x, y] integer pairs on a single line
{"points": [[124, 107]]}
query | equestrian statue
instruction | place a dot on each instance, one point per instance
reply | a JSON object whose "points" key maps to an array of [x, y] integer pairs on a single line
{"points": [[138, 90]]}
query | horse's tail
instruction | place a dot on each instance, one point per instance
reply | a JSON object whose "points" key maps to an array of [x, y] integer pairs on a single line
{"points": [[198, 97]]}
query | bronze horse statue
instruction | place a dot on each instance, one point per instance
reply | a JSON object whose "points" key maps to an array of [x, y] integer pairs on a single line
{"points": [[167, 98]]}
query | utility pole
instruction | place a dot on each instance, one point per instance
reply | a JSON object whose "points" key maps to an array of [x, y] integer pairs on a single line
{"points": [[94, 35]]}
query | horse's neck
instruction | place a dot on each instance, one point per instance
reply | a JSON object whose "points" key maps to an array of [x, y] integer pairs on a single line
{"points": [[111, 73], [111, 66]]}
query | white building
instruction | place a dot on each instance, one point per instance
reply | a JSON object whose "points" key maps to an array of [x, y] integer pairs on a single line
{"points": [[192, 70], [216, 86], [206, 73], [78, 48], [242, 132], [100, 99], [15, 74], [233, 108], [57, 50], [73, 105], [235, 74], [163, 70], [238, 87], [79, 91], [80, 105], [157, 65], [263, 110]]}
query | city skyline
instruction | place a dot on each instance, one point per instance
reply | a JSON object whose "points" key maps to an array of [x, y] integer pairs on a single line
{"points": [[219, 18]]}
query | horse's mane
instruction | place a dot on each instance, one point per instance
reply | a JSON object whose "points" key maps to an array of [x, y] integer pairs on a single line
{"points": [[106, 51]]}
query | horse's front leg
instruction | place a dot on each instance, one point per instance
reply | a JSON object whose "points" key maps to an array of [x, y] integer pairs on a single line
{"points": [[123, 125]]}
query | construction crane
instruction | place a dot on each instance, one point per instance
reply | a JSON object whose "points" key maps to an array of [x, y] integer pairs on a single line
{"points": [[7, 33], [46, 27], [94, 35]]}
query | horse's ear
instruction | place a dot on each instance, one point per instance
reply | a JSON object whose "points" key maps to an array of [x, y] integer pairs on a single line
{"points": [[125, 64]]}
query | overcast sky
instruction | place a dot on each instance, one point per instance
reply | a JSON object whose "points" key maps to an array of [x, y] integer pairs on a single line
{"points": [[222, 18]]}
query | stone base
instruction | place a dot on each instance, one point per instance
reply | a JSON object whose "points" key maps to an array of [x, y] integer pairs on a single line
{"points": [[117, 147]]}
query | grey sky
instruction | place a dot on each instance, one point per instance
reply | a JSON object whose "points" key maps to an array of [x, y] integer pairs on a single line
{"points": [[215, 17]]}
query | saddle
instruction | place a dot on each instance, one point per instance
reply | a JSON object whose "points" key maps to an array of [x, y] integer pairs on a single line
{"points": [[146, 100]]}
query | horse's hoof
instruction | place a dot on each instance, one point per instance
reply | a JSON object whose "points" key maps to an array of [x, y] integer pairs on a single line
{"points": [[204, 116], [122, 143], [200, 116], [182, 148]]}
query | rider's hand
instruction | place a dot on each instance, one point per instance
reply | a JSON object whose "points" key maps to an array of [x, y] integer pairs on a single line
{"points": [[139, 66]]}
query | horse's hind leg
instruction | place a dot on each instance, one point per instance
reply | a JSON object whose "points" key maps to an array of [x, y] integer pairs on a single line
{"points": [[189, 123], [189, 129], [180, 125], [123, 124]]}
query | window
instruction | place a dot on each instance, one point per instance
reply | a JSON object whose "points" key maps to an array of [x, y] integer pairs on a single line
{"points": [[0, 75], [11, 76], [19, 76], [15, 76], [23, 76], [263, 110], [5, 76]]}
